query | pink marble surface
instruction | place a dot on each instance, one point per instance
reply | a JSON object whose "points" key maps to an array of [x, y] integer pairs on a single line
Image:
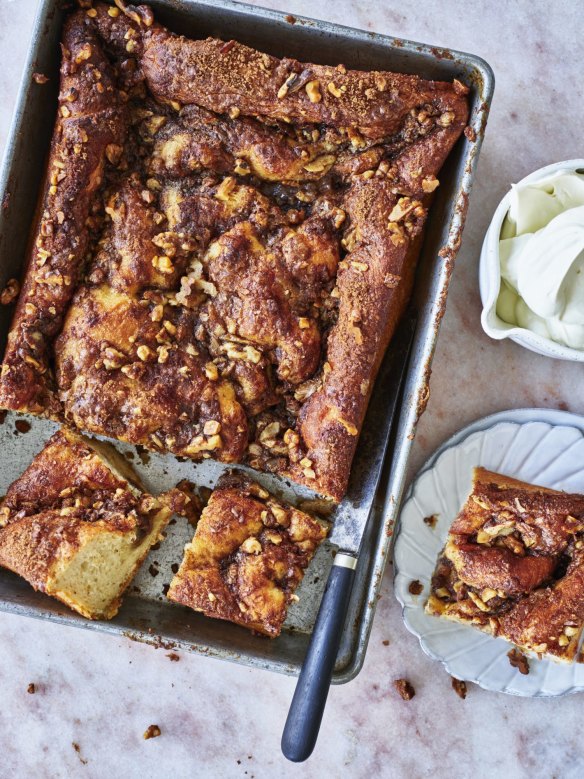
{"points": [[221, 720]]}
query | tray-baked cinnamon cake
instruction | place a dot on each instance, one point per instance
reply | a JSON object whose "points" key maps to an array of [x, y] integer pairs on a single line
{"points": [[247, 556], [76, 525], [224, 245], [513, 565]]}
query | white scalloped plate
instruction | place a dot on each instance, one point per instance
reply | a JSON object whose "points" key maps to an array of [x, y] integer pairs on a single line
{"points": [[540, 446]]}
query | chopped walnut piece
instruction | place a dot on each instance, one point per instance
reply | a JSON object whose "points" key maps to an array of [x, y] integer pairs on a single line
{"points": [[313, 92], [460, 88], [459, 687], [334, 90], [430, 183], [10, 292], [518, 660], [153, 731], [403, 207], [405, 689], [445, 119], [283, 91], [415, 587]]}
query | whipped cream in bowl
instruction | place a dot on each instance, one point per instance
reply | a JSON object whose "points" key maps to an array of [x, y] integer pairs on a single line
{"points": [[532, 263]]}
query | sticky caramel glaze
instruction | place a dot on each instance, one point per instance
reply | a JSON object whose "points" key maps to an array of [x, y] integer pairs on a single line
{"points": [[241, 257], [247, 557], [513, 565]]}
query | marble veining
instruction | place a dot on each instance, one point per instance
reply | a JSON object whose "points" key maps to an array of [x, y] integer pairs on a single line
{"points": [[218, 720]]}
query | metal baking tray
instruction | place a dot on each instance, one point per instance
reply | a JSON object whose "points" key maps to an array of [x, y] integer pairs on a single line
{"points": [[146, 615]]}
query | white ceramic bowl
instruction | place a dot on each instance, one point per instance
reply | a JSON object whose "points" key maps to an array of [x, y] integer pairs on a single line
{"points": [[490, 278]]}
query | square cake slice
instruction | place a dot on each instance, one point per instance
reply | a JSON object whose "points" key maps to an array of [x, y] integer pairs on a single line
{"points": [[513, 565], [247, 557], [225, 244], [77, 525]]}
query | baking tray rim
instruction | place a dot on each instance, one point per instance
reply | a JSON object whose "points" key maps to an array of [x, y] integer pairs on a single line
{"points": [[413, 403]]}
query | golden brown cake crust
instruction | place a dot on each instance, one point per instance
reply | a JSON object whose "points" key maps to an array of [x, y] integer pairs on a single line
{"points": [[513, 565], [226, 256], [247, 557]]}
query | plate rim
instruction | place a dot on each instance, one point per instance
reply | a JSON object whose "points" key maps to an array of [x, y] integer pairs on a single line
{"points": [[520, 416]]}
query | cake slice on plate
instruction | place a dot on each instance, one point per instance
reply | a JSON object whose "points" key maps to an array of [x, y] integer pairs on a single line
{"points": [[77, 524], [247, 557], [513, 565]]}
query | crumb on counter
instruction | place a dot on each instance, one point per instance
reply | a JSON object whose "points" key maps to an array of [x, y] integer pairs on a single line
{"points": [[77, 748], [153, 731], [415, 587], [173, 657], [31, 689], [459, 687], [404, 688]]}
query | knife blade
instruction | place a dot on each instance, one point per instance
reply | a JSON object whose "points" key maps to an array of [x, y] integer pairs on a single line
{"points": [[349, 522]]}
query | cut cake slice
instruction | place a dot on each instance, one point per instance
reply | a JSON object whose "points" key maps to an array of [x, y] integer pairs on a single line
{"points": [[513, 565], [77, 525], [247, 557]]}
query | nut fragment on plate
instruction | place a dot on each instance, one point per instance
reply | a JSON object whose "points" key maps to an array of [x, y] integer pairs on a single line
{"points": [[247, 556], [513, 566], [404, 688], [431, 521], [518, 660]]}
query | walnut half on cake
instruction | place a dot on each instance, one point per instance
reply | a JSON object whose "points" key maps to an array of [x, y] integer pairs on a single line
{"points": [[513, 565], [76, 525], [247, 557]]}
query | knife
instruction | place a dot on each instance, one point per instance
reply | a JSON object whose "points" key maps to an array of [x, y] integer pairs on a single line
{"points": [[349, 521]]}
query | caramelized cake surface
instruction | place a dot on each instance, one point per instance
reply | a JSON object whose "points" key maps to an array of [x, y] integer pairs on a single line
{"points": [[513, 565], [224, 246], [247, 557], [77, 526]]}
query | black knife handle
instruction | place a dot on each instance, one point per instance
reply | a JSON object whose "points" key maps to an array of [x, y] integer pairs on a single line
{"points": [[307, 707]]}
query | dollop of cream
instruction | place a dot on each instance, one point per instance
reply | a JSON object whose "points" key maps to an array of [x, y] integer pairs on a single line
{"points": [[541, 252]]}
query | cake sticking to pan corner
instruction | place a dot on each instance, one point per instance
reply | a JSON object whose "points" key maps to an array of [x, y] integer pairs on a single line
{"points": [[77, 525], [247, 557], [225, 244], [513, 566]]}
